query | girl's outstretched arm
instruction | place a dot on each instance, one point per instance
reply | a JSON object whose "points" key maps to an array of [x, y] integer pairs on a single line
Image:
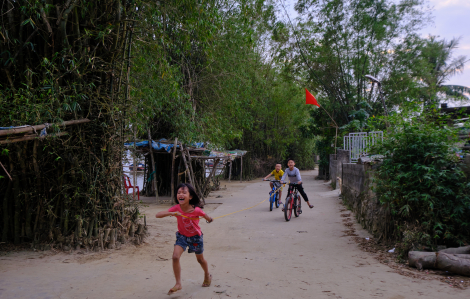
{"points": [[163, 214], [208, 218]]}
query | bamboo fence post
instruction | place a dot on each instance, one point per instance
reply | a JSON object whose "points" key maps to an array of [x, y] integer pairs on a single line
{"points": [[153, 165], [134, 169], [32, 129], [173, 169]]}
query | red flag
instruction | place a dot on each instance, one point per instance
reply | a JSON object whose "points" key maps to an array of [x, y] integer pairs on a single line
{"points": [[310, 99]]}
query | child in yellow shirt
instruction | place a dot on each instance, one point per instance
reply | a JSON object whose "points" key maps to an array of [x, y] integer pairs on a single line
{"points": [[277, 173]]}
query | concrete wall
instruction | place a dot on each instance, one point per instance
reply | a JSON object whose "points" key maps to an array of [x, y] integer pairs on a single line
{"points": [[333, 167], [354, 181], [356, 193], [336, 166]]}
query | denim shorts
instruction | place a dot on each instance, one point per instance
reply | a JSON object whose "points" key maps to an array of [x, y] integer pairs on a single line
{"points": [[195, 243]]}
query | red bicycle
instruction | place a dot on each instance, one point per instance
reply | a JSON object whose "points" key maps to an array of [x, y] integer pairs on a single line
{"points": [[293, 202]]}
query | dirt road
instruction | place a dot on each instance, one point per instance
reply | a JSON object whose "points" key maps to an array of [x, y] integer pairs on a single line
{"points": [[252, 254]]}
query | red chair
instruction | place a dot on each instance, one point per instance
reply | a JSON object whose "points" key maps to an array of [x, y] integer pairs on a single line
{"points": [[128, 185]]}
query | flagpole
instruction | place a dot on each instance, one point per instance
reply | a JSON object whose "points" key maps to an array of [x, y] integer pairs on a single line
{"points": [[310, 99], [336, 126]]}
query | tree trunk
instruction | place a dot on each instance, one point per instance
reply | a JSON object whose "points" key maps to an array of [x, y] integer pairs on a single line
{"points": [[78, 230], [453, 263], [422, 260], [106, 235], [16, 198], [112, 239], [6, 217], [241, 168], [458, 250], [173, 170], [101, 240], [90, 227], [153, 165]]}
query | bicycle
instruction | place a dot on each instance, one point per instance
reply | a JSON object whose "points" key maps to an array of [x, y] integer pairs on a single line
{"points": [[274, 194], [293, 202]]}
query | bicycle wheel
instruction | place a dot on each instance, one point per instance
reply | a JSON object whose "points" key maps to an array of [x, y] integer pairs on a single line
{"points": [[277, 200], [297, 209], [288, 208], [272, 197]]}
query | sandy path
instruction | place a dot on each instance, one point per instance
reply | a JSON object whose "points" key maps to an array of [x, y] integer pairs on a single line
{"points": [[252, 254]]}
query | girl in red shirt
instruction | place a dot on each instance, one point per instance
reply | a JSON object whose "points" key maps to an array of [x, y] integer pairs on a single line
{"points": [[188, 209]]}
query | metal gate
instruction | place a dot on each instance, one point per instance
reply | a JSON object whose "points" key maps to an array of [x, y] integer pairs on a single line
{"points": [[358, 143]]}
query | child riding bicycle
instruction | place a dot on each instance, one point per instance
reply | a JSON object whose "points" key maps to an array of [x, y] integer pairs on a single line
{"points": [[294, 176], [277, 173]]}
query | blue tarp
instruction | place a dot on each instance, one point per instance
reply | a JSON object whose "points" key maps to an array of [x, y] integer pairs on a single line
{"points": [[161, 145]]}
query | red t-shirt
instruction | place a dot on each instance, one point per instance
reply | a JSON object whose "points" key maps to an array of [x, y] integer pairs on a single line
{"points": [[188, 227]]}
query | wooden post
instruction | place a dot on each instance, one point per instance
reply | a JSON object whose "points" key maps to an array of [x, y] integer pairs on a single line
{"points": [[173, 170], [230, 171], [210, 175], [241, 168], [196, 185], [153, 165], [147, 168], [191, 173], [134, 168], [185, 163], [222, 171]]}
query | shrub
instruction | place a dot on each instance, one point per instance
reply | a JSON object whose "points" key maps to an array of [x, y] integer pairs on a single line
{"points": [[422, 183]]}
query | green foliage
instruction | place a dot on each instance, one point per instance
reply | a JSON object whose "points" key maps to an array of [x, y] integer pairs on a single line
{"points": [[209, 80], [335, 44], [324, 149], [421, 181], [63, 61], [339, 42]]}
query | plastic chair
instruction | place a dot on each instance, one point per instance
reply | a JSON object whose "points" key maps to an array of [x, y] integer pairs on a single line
{"points": [[128, 185]]}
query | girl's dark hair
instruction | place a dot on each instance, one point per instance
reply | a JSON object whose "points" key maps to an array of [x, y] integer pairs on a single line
{"points": [[195, 201]]}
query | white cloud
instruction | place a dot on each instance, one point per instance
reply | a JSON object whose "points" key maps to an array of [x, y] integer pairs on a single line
{"points": [[449, 3], [464, 47]]}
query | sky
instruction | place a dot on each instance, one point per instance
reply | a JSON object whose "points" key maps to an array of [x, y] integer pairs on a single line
{"points": [[451, 18]]}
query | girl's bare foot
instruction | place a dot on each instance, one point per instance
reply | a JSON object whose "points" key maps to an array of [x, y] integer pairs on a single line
{"points": [[207, 280], [174, 289]]}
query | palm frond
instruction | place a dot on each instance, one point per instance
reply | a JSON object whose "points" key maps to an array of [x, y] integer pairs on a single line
{"points": [[453, 43], [456, 66]]}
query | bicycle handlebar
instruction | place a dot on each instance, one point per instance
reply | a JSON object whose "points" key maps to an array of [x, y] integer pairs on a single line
{"points": [[284, 183]]}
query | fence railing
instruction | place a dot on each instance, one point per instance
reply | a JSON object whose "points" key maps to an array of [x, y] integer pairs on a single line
{"points": [[358, 143]]}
